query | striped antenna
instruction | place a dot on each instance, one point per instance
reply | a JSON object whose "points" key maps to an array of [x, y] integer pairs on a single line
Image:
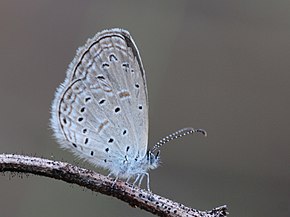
{"points": [[177, 134]]}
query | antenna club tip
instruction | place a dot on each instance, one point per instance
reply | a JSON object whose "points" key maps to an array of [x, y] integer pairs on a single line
{"points": [[201, 131]]}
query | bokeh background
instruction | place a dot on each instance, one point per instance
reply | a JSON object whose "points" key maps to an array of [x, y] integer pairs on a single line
{"points": [[218, 65]]}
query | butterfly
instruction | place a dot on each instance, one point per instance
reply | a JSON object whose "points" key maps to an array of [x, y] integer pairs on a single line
{"points": [[100, 111]]}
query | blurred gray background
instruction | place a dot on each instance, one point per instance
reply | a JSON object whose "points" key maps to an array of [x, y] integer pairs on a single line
{"points": [[218, 65]]}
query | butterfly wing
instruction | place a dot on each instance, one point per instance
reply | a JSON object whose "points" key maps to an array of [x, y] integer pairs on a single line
{"points": [[101, 110]]}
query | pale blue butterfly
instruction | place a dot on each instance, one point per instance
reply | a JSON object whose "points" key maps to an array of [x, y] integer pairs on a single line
{"points": [[100, 112]]}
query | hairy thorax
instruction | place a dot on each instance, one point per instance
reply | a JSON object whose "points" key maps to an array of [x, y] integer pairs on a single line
{"points": [[130, 167]]}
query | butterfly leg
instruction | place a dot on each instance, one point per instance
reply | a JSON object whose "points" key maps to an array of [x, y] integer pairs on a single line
{"points": [[136, 180], [127, 181], [109, 176], [148, 184], [140, 180], [114, 182]]}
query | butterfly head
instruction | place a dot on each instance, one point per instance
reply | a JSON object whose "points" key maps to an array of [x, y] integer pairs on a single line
{"points": [[153, 159]]}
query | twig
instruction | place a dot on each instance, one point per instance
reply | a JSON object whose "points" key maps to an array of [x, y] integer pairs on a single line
{"points": [[135, 197]]}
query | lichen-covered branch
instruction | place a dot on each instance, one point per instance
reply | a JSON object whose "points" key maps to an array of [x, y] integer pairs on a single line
{"points": [[134, 196]]}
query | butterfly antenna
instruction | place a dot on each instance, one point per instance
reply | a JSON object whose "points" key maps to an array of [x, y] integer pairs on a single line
{"points": [[177, 134]]}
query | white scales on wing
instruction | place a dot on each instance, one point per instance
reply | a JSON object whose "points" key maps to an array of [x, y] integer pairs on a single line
{"points": [[100, 112]]}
